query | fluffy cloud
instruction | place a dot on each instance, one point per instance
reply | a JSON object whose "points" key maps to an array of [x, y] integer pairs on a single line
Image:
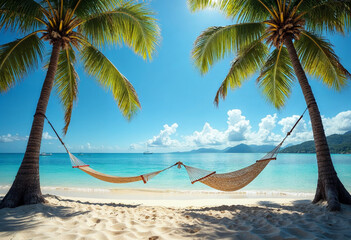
{"points": [[207, 137], [270, 130], [164, 139], [12, 138], [302, 131], [238, 126], [47, 136], [264, 133], [341, 123]]}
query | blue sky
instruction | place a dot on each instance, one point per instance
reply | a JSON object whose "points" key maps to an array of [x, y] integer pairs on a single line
{"points": [[177, 102]]}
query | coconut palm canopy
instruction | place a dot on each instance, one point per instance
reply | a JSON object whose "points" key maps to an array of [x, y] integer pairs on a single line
{"points": [[257, 39], [83, 28]]}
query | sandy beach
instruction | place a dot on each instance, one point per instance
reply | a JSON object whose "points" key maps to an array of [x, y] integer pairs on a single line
{"points": [[241, 218]]}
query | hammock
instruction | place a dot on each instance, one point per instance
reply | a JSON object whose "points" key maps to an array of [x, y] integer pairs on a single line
{"points": [[230, 181], [76, 163]]}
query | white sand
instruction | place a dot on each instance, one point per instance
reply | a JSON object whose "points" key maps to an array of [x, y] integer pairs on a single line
{"points": [[243, 218]]}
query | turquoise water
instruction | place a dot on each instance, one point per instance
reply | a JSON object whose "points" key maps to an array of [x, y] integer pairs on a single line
{"points": [[289, 173]]}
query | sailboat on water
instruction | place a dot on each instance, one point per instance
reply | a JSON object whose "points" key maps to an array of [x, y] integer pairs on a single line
{"points": [[147, 150]]}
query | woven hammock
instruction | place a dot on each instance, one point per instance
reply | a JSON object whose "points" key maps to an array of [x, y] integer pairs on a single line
{"points": [[76, 163], [230, 181]]}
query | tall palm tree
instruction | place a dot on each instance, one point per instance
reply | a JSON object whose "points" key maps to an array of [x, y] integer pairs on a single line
{"points": [[71, 27], [282, 39]]}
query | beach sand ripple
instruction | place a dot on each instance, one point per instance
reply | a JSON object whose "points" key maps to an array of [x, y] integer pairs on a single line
{"points": [[71, 219]]}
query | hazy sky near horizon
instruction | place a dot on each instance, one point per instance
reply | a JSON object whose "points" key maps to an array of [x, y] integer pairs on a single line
{"points": [[177, 102]]}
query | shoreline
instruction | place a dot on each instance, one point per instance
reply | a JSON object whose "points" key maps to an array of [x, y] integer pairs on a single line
{"points": [[165, 194]]}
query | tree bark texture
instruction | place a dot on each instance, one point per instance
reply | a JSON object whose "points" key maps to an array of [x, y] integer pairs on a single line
{"points": [[329, 187], [26, 187]]}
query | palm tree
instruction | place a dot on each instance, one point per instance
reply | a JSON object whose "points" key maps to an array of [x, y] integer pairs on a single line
{"points": [[70, 27], [282, 39]]}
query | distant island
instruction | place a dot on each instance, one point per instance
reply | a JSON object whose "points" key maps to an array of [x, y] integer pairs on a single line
{"points": [[241, 148], [338, 143]]}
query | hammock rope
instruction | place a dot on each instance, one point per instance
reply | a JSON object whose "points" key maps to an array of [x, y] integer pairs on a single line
{"points": [[230, 181]]}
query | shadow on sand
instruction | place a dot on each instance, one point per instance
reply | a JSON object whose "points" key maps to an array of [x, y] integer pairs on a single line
{"points": [[300, 220], [25, 217], [93, 203]]}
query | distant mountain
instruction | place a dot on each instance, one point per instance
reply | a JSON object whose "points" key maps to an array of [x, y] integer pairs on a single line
{"points": [[338, 143], [206, 150], [243, 148]]}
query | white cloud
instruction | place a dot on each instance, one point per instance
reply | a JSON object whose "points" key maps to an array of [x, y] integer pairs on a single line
{"points": [[239, 130], [288, 122], [238, 126], [264, 135], [47, 136], [207, 137], [164, 139], [302, 132], [12, 138], [339, 124]]}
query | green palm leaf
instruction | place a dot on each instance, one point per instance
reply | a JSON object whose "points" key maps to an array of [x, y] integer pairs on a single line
{"points": [[195, 5], [130, 23], [277, 77], [84, 9], [17, 58], [319, 60], [98, 66], [246, 10], [20, 15], [329, 15], [248, 61], [66, 83], [217, 42]]}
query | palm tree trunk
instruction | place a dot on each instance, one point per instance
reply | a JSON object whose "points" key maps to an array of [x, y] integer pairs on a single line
{"points": [[26, 187], [329, 187]]}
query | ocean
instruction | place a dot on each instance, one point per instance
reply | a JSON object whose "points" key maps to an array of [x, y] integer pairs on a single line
{"points": [[290, 174]]}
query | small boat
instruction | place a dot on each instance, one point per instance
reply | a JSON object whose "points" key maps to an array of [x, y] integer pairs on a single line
{"points": [[45, 154], [147, 152]]}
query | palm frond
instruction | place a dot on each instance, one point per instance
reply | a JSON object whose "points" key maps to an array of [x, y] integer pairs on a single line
{"points": [[66, 83], [195, 5], [248, 61], [131, 24], [217, 42], [17, 58], [277, 77], [319, 60], [98, 66], [326, 15], [246, 11], [20, 15], [86, 8]]}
